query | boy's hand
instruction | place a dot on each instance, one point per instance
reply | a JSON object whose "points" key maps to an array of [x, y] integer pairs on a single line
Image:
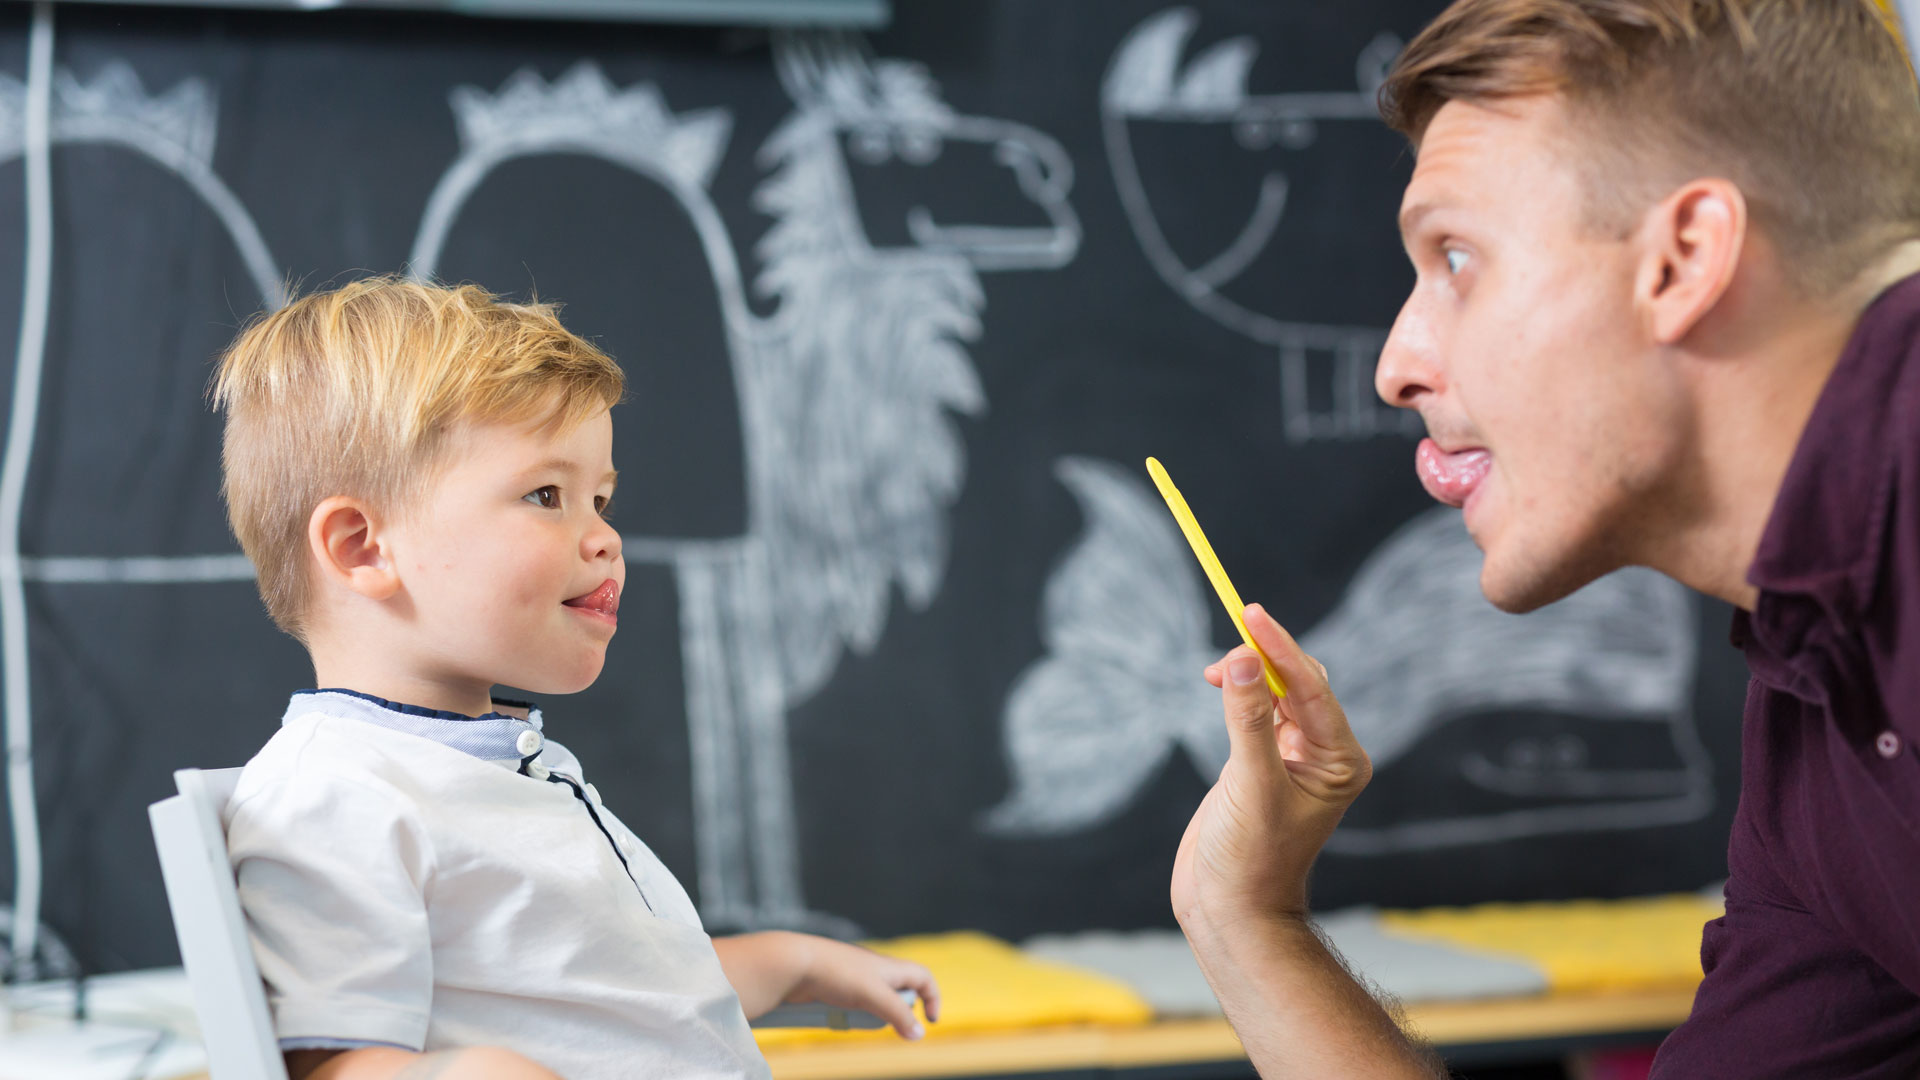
{"points": [[850, 977]]}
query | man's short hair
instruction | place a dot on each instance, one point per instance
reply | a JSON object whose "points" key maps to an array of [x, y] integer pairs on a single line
{"points": [[353, 391], [1808, 105]]}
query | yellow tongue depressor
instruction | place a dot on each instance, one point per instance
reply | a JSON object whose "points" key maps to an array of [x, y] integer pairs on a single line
{"points": [[1211, 564]]}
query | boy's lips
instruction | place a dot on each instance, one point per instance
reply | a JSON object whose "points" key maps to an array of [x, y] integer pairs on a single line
{"points": [[604, 600], [1451, 475]]}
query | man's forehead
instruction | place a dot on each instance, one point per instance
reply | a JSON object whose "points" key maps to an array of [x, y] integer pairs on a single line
{"points": [[1471, 152]]}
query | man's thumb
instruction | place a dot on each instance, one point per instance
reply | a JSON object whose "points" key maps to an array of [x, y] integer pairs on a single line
{"points": [[1249, 706]]}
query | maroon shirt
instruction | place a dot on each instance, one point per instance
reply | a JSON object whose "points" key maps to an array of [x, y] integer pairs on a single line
{"points": [[1814, 971]]}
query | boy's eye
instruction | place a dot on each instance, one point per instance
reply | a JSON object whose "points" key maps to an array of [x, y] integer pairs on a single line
{"points": [[547, 498], [1456, 260], [603, 505]]}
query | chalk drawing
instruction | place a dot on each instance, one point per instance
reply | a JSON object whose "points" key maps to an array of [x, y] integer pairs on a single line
{"points": [[1411, 646], [176, 131], [1145, 82], [847, 392]]}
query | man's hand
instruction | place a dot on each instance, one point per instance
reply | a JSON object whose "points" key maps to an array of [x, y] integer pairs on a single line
{"points": [[1293, 769], [1240, 879], [777, 967]]}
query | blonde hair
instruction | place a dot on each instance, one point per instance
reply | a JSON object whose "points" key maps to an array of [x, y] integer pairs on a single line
{"points": [[1808, 105], [353, 391]]}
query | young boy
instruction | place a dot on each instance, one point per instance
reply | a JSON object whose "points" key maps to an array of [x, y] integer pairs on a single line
{"points": [[420, 477]]}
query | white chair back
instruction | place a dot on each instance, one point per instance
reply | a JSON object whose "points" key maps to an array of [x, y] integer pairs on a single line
{"points": [[228, 995]]}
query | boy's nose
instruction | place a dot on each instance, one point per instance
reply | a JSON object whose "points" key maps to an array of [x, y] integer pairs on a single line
{"points": [[602, 542]]}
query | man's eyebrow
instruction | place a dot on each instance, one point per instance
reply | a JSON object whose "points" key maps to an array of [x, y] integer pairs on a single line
{"points": [[1410, 217]]}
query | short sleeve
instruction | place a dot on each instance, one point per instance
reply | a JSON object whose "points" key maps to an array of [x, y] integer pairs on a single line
{"points": [[333, 875], [1784, 995]]}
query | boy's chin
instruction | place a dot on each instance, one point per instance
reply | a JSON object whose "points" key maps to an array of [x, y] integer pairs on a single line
{"points": [[549, 681]]}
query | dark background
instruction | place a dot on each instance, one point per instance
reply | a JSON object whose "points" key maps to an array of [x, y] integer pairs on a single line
{"points": [[334, 128]]}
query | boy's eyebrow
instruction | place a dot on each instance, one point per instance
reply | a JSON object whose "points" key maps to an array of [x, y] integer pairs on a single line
{"points": [[553, 465]]}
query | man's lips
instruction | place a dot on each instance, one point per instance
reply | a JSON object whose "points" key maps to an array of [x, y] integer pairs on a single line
{"points": [[604, 600], [1451, 476]]}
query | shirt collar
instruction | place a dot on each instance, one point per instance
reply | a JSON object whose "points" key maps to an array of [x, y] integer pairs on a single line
{"points": [[494, 736], [1820, 552]]}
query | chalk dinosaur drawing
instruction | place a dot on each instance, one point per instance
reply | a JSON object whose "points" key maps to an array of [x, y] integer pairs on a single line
{"points": [[1410, 647], [847, 392], [1145, 83]]}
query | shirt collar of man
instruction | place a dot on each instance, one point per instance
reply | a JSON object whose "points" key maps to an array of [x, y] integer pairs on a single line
{"points": [[1821, 551], [493, 736]]}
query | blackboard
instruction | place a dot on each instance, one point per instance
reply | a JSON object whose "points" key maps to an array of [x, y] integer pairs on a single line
{"points": [[908, 643]]}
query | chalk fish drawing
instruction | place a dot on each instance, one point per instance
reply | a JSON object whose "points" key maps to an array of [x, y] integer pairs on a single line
{"points": [[1412, 645], [847, 393], [1145, 82]]}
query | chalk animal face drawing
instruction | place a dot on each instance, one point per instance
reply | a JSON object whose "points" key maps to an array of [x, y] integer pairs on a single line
{"points": [[1157, 114]]}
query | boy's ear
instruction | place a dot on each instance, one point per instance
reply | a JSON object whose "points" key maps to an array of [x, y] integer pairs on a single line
{"points": [[344, 536], [1694, 240]]}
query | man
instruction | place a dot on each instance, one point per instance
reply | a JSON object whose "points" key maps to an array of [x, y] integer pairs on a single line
{"points": [[1662, 317]]}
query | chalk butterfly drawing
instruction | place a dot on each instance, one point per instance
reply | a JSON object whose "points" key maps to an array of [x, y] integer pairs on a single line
{"points": [[847, 392], [1411, 647], [1326, 369]]}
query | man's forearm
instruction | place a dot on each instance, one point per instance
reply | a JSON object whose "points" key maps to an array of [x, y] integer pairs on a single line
{"points": [[1297, 1009]]}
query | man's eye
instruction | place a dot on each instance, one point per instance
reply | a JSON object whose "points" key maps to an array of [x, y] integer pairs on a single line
{"points": [[547, 498], [1456, 260]]}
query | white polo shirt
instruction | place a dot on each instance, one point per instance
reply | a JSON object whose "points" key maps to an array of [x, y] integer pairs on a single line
{"points": [[427, 880]]}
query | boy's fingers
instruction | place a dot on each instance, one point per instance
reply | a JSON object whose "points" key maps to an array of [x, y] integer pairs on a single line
{"points": [[1213, 675], [922, 983], [886, 1005], [929, 992]]}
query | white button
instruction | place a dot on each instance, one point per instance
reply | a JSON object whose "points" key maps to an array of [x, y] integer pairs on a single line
{"points": [[537, 771], [593, 795], [528, 743], [1888, 744]]}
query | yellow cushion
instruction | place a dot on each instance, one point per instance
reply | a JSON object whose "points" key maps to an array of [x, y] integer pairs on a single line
{"points": [[1581, 945], [987, 984]]}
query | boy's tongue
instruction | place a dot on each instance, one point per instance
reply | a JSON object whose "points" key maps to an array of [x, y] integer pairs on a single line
{"points": [[1450, 477], [605, 599]]}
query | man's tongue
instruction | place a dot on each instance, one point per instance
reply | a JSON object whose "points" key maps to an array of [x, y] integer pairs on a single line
{"points": [[1450, 477]]}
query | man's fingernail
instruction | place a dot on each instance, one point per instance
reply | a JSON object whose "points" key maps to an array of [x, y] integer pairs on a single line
{"points": [[1244, 669], [916, 1031]]}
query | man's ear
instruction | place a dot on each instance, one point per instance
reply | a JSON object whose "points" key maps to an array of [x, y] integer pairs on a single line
{"points": [[1693, 240], [344, 536]]}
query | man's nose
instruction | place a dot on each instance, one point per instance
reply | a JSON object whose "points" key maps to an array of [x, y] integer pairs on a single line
{"points": [[1409, 367]]}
